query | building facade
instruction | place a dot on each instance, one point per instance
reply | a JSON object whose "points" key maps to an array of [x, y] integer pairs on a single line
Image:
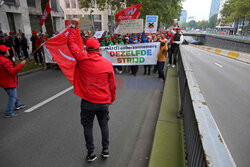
{"points": [[222, 2], [101, 19], [215, 8], [24, 16], [183, 17]]}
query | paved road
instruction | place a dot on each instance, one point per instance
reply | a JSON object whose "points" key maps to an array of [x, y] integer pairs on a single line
{"points": [[52, 135], [225, 84]]}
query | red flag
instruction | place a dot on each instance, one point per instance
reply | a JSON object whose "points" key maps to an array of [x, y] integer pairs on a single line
{"points": [[67, 23], [58, 49], [129, 13], [45, 13]]}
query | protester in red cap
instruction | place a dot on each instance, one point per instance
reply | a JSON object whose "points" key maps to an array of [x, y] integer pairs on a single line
{"points": [[158, 38], [94, 82], [4, 40], [154, 38], [177, 40], [36, 42], [8, 81], [170, 37]]}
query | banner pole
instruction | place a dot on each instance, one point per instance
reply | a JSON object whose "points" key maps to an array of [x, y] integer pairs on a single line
{"points": [[37, 49]]}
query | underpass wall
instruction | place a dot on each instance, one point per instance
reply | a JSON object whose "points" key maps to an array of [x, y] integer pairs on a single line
{"points": [[220, 42], [226, 44]]}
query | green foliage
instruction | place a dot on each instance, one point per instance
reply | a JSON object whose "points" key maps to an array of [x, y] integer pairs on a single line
{"points": [[213, 21], [167, 10], [184, 25], [193, 24], [203, 24], [235, 10]]}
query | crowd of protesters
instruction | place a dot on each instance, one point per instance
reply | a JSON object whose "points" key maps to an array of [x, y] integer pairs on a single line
{"points": [[19, 45], [169, 40], [15, 46]]}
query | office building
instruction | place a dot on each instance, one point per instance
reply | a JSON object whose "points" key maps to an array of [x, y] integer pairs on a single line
{"points": [[24, 16], [215, 8], [183, 17]]}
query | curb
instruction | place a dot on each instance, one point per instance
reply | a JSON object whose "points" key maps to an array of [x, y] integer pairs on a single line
{"points": [[29, 72], [241, 56]]}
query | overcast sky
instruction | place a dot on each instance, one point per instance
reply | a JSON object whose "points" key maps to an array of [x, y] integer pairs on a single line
{"points": [[198, 8]]}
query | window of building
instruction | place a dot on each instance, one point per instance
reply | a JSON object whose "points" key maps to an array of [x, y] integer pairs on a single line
{"points": [[78, 4], [97, 18], [35, 22], [11, 21], [109, 19], [92, 4], [98, 26], [73, 3], [31, 3], [77, 16], [10, 2], [67, 3], [69, 17], [55, 20], [53, 5]]}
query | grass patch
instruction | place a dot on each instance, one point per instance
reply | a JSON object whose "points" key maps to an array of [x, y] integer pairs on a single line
{"points": [[30, 65]]}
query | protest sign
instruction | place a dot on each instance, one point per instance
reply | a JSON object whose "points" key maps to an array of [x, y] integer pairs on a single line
{"points": [[131, 26], [151, 24], [48, 56], [98, 34], [85, 24], [136, 54]]}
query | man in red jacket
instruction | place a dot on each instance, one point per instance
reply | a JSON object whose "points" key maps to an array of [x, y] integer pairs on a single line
{"points": [[8, 80], [94, 82]]}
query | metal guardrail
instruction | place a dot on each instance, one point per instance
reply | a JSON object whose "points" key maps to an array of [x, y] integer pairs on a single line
{"points": [[204, 145]]}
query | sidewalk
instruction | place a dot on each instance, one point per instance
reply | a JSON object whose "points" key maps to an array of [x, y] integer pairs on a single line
{"points": [[167, 149]]}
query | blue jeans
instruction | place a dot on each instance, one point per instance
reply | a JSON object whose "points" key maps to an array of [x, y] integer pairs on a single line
{"points": [[88, 112], [13, 100], [160, 69]]}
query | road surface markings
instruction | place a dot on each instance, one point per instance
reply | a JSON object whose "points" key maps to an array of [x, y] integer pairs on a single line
{"points": [[48, 100], [218, 65]]}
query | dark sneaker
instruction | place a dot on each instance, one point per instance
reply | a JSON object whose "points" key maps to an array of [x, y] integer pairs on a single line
{"points": [[91, 157], [105, 153], [20, 107], [10, 115]]}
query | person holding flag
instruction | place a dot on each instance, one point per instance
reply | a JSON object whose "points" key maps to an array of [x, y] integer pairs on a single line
{"points": [[8, 75], [94, 82]]}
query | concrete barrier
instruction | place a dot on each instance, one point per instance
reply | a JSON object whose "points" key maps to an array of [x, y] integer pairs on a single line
{"points": [[241, 56], [204, 144]]}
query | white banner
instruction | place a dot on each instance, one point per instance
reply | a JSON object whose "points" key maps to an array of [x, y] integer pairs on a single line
{"points": [[47, 55], [98, 34], [117, 30], [135, 54]]}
